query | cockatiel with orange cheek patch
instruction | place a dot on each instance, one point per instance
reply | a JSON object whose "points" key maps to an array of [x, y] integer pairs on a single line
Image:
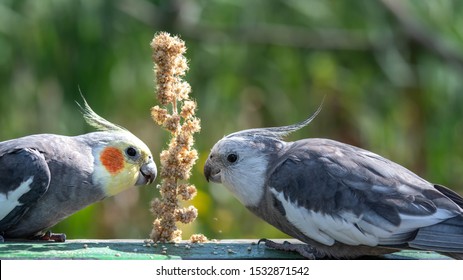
{"points": [[44, 178]]}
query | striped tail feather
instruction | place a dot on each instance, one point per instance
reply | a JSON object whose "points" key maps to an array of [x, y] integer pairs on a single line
{"points": [[445, 237]]}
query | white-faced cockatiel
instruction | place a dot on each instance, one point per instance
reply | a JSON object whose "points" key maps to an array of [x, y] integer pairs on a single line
{"points": [[44, 178], [340, 200]]}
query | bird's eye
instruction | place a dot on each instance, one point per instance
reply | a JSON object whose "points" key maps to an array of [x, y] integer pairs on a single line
{"points": [[232, 157], [131, 152]]}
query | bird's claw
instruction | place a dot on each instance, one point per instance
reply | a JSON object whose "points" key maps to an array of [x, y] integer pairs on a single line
{"points": [[56, 237], [262, 240], [303, 249]]}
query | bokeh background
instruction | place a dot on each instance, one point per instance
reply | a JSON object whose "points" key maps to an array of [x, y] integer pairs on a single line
{"points": [[391, 73]]}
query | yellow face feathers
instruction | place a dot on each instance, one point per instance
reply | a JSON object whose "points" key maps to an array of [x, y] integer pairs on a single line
{"points": [[122, 160], [120, 166]]}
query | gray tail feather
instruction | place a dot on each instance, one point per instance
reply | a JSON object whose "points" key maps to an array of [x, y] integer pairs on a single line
{"points": [[445, 237], [454, 196]]}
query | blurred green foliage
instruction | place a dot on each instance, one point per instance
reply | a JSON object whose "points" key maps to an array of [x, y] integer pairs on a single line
{"points": [[390, 72]]}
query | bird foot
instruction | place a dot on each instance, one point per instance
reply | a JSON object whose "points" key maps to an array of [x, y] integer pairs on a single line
{"points": [[49, 236], [303, 249]]}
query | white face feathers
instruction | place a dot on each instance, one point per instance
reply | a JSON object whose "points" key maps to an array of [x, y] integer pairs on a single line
{"points": [[240, 160], [240, 166]]}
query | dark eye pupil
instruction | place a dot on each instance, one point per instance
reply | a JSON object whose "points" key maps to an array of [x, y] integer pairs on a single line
{"points": [[232, 157], [131, 152]]}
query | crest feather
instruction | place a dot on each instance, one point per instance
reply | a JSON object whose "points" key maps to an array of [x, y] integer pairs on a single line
{"points": [[276, 132], [95, 120]]}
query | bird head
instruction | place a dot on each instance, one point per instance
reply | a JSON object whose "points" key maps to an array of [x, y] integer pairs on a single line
{"points": [[240, 164], [241, 160], [121, 160]]}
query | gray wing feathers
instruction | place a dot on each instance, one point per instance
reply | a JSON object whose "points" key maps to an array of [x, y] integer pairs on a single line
{"points": [[26, 168], [62, 169], [331, 178]]}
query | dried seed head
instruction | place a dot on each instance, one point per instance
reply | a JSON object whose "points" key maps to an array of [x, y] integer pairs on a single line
{"points": [[178, 159], [188, 109], [198, 238], [191, 125], [186, 192], [172, 123], [186, 215], [159, 115]]}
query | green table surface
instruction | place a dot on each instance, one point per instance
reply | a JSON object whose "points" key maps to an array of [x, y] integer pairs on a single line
{"points": [[137, 249]]}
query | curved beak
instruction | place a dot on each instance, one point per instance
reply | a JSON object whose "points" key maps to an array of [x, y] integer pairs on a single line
{"points": [[212, 173], [148, 173]]}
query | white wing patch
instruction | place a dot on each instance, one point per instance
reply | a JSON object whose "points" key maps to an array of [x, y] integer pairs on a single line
{"points": [[348, 228], [10, 200], [326, 229], [410, 222]]}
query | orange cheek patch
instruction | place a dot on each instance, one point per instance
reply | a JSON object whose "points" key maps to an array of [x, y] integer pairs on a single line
{"points": [[112, 159]]}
